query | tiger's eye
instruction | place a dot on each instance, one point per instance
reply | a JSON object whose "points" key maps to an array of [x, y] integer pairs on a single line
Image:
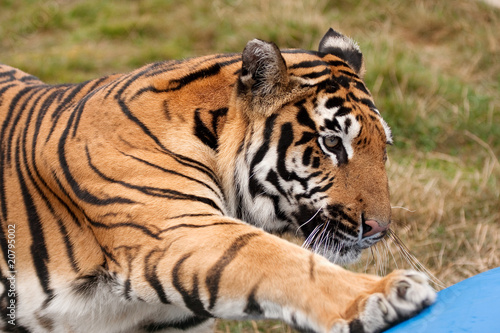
{"points": [[331, 142]]}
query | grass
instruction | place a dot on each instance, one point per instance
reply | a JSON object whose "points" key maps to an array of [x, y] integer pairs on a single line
{"points": [[432, 67]]}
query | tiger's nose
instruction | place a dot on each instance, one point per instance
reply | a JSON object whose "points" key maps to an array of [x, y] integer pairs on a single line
{"points": [[372, 227]]}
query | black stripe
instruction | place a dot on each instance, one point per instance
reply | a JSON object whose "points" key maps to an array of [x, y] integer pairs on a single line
{"points": [[306, 137], [263, 149], [351, 97], [316, 162], [361, 86], [306, 157], [80, 192], [191, 298], [217, 115], [347, 125], [336, 211], [38, 246], [181, 324], [28, 78], [316, 189], [171, 65], [97, 83], [74, 90], [166, 110], [109, 255], [4, 156], [150, 272], [180, 83], [255, 187], [67, 243], [133, 225], [285, 141], [253, 307], [203, 133], [196, 226], [343, 81], [153, 191], [338, 63], [215, 273], [201, 74], [56, 114], [47, 103], [342, 111], [303, 116], [272, 178], [334, 102], [315, 75], [7, 87], [351, 74], [218, 193], [63, 202], [368, 103], [22, 111], [162, 67], [309, 64], [333, 124], [356, 326], [112, 85], [129, 79], [125, 109], [9, 76], [127, 289], [195, 165], [10, 138], [191, 215], [79, 110]]}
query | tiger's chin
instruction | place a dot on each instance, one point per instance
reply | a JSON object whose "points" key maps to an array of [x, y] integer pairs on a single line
{"points": [[344, 256], [339, 254]]}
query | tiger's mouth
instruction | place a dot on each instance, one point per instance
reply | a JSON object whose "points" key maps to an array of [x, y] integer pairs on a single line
{"points": [[333, 237], [339, 252]]}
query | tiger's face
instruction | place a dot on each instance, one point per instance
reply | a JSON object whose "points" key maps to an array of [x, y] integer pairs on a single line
{"points": [[313, 160]]}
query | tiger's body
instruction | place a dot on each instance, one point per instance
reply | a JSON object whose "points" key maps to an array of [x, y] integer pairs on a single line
{"points": [[140, 202]]}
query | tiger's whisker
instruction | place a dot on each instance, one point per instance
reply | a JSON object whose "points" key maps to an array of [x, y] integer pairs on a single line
{"points": [[404, 208], [413, 261], [311, 236], [303, 224]]}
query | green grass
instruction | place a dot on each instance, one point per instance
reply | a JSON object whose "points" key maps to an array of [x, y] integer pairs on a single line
{"points": [[433, 68]]}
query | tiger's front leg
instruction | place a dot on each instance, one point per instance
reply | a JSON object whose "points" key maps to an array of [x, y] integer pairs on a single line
{"points": [[234, 271]]}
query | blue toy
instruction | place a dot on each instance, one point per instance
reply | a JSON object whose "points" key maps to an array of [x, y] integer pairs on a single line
{"points": [[471, 306]]}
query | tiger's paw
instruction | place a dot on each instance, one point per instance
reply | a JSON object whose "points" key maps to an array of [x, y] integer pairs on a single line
{"points": [[401, 295]]}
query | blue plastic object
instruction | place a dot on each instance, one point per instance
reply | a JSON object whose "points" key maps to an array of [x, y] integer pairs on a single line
{"points": [[470, 306]]}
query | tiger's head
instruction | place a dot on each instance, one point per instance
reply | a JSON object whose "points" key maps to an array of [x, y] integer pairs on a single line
{"points": [[312, 158]]}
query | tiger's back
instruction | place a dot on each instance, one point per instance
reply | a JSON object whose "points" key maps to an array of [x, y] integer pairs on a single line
{"points": [[133, 196]]}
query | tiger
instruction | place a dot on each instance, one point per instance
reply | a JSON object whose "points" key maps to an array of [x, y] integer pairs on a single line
{"points": [[154, 201]]}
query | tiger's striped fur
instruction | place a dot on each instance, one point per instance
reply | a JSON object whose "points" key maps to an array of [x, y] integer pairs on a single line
{"points": [[140, 202]]}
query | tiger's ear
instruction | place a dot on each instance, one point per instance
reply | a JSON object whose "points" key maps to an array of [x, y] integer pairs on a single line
{"points": [[344, 48], [263, 81]]}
